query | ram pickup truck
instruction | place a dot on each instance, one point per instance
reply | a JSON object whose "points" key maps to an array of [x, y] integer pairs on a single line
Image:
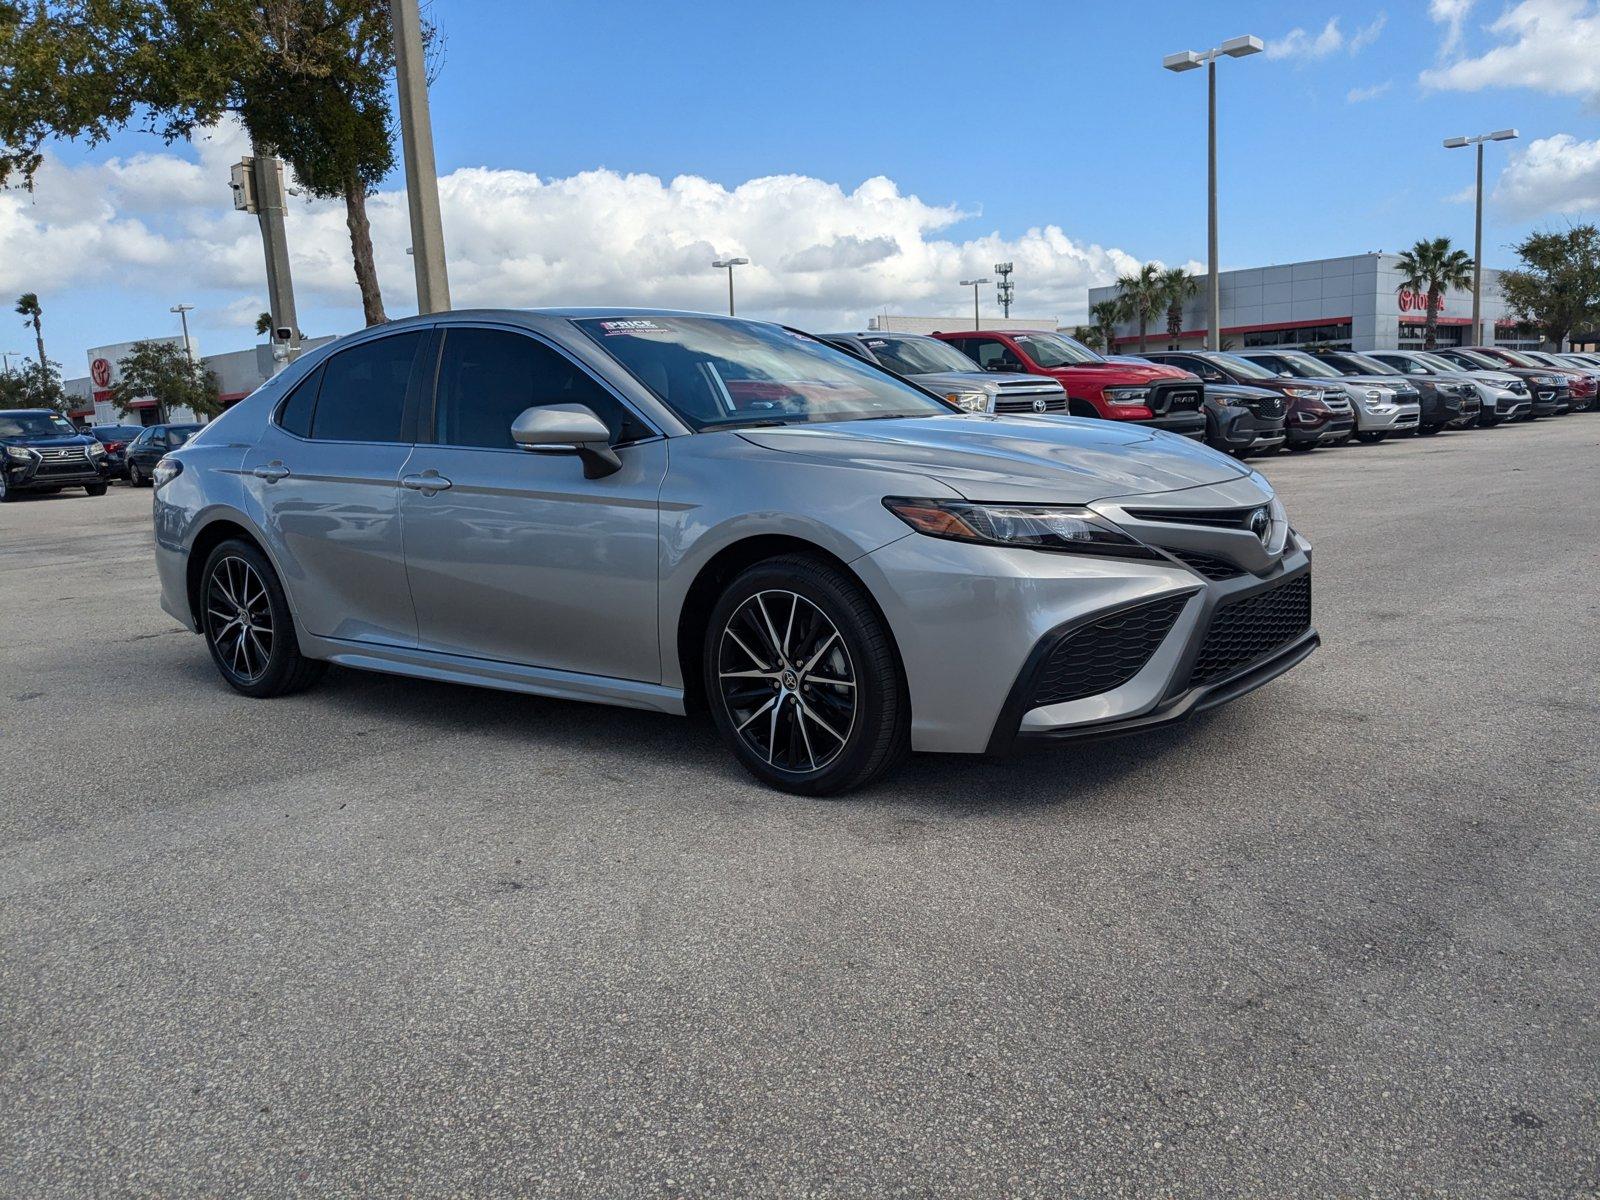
{"points": [[1142, 393]]}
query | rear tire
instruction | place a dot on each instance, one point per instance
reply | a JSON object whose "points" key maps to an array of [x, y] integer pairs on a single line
{"points": [[133, 476], [803, 679], [1428, 430], [248, 626]]}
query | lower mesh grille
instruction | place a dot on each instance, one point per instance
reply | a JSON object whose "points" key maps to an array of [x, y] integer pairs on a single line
{"points": [[1208, 565], [1107, 653], [1249, 629]]}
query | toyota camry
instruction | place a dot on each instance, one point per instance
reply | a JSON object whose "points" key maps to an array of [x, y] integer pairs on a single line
{"points": [[680, 512]]}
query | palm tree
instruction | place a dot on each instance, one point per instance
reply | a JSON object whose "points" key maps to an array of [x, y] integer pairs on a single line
{"points": [[1433, 268], [1142, 298], [28, 306], [1179, 287], [1105, 316]]}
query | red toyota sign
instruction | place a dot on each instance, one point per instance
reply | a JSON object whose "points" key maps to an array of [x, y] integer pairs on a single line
{"points": [[100, 372], [1411, 301]]}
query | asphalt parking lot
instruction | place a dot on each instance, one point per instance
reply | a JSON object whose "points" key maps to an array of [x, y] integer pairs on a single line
{"points": [[391, 937]]}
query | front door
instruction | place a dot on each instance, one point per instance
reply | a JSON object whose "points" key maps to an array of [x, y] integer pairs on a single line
{"points": [[513, 555], [326, 474]]}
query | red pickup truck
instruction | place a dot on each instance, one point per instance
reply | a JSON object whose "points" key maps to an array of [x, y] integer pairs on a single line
{"points": [[1145, 393]]}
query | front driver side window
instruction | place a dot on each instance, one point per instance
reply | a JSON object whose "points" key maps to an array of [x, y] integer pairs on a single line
{"points": [[487, 377], [992, 354]]}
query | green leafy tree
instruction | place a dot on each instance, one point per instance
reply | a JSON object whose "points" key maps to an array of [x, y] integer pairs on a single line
{"points": [[1178, 287], [1105, 316], [165, 372], [33, 386], [1557, 288], [1431, 268], [28, 306], [264, 323], [1087, 334], [309, 79], [1142, 298]]}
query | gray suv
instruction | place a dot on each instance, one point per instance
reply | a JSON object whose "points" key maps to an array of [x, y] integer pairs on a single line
{"points": [[1383, 404], [1502, 396], [674, 511], [941, 368]]}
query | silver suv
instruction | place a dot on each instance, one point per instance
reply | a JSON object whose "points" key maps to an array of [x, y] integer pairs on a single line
{"points": [[942, 369], [670, 511], [1383, 404], [1502, 395]]}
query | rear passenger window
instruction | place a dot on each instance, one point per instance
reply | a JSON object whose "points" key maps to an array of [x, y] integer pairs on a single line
{"points": [[294, 415], [363, 393], [487, 377]]}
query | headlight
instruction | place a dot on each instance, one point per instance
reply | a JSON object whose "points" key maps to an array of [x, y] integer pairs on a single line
{"points": [[970, 401], [1303, 393], [1126, 395], [1033, 526], [19, 454], [166, 471]]}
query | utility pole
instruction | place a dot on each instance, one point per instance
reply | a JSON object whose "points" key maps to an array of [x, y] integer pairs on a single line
{"points": [[416, 139], [975, 284], [183, 311], [1455, 143], [258, 189], [1003, 289], [1188, 60], [731, 263]]}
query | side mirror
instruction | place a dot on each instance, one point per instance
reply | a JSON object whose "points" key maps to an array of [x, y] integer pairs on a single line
{"points": [[568, 429]]}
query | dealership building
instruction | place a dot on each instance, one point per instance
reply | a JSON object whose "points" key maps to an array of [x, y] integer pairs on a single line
{"points": [[1354, 302]]}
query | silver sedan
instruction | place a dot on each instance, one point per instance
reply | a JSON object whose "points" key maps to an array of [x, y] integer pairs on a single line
{"points": [[674, 511]]}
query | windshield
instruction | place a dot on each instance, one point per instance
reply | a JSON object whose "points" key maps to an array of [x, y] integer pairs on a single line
{"points": [[1540, 358], [33, 425], [1056, 350], [1360, 364], [717, 373], [1434, 363], [1480, 362], [1244, 367], [919, 356], [1307, 367]]}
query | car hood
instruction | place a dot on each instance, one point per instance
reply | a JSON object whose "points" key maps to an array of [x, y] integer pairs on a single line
{"points": [[1062, 460], [977, 381], [1122, 372], [46, 443]]}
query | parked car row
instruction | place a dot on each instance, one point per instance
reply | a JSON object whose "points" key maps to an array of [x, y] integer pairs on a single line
{"points": [[44, 452], [1249, 401]]}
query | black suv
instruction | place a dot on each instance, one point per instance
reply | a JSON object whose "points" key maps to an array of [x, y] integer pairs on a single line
{"points": [[146, 450], [45, 452]]}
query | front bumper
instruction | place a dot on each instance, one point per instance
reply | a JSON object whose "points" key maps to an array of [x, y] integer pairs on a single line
{"points": [[1187, 424], [33, 477], [1391, 418]]}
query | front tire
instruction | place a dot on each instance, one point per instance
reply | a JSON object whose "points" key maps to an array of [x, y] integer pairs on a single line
{"points": [[803, 679], [248, 626], [1371, 439], [95, 489]]}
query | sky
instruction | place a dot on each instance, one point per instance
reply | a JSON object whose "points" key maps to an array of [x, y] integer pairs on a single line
{"points": [[863, 157]]}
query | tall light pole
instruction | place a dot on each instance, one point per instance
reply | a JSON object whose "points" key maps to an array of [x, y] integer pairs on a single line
{"points": [[1455, 143], [730, 264], [1188, 60], [183, 311], [975, 284], [6, 356], [422, 178], [1004, 289]]}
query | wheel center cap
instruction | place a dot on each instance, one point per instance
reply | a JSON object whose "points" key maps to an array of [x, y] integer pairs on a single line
{"points": [[790, 681]]}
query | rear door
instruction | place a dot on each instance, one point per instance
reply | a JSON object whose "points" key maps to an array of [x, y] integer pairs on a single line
{"points": [[514, 555], [326, 473]]}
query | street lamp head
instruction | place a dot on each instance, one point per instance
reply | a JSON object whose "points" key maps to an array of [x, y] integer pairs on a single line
{"points": [[972, 282], [1239, 47], [1454, 143], [1184, 60], [1502, 135], [731, 262]]}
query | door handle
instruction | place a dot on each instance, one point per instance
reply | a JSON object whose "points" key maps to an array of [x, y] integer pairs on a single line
{"points": [[272, 472], [427, 483]]}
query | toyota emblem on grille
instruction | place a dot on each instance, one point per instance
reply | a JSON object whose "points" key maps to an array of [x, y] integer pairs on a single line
{"points": [[1261, 525], [1039, 404]]}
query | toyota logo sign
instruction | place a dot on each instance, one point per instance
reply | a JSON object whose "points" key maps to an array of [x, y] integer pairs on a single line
{"points": [[1039, 405], [100, 372], [1261, 525]]}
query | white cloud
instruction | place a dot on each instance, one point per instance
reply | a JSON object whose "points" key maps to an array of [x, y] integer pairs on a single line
{"points": [[1451, 14], [819, 252], [1363, 94], [1368, 34], [1297, 43], [1550, 45], [1556, 174]]}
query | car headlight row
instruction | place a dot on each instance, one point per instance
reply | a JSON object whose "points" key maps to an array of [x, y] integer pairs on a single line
{"points": [[1126, 395], [969, 401], [1034, 526], [19, 454]]}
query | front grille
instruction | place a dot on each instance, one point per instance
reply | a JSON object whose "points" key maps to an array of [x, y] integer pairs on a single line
{"points": [[1175, 398], [1027, 404], [1338, 404], [1208, 565], [1217, 518], [1107, 653], [64, 454], [1246, 630]]}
